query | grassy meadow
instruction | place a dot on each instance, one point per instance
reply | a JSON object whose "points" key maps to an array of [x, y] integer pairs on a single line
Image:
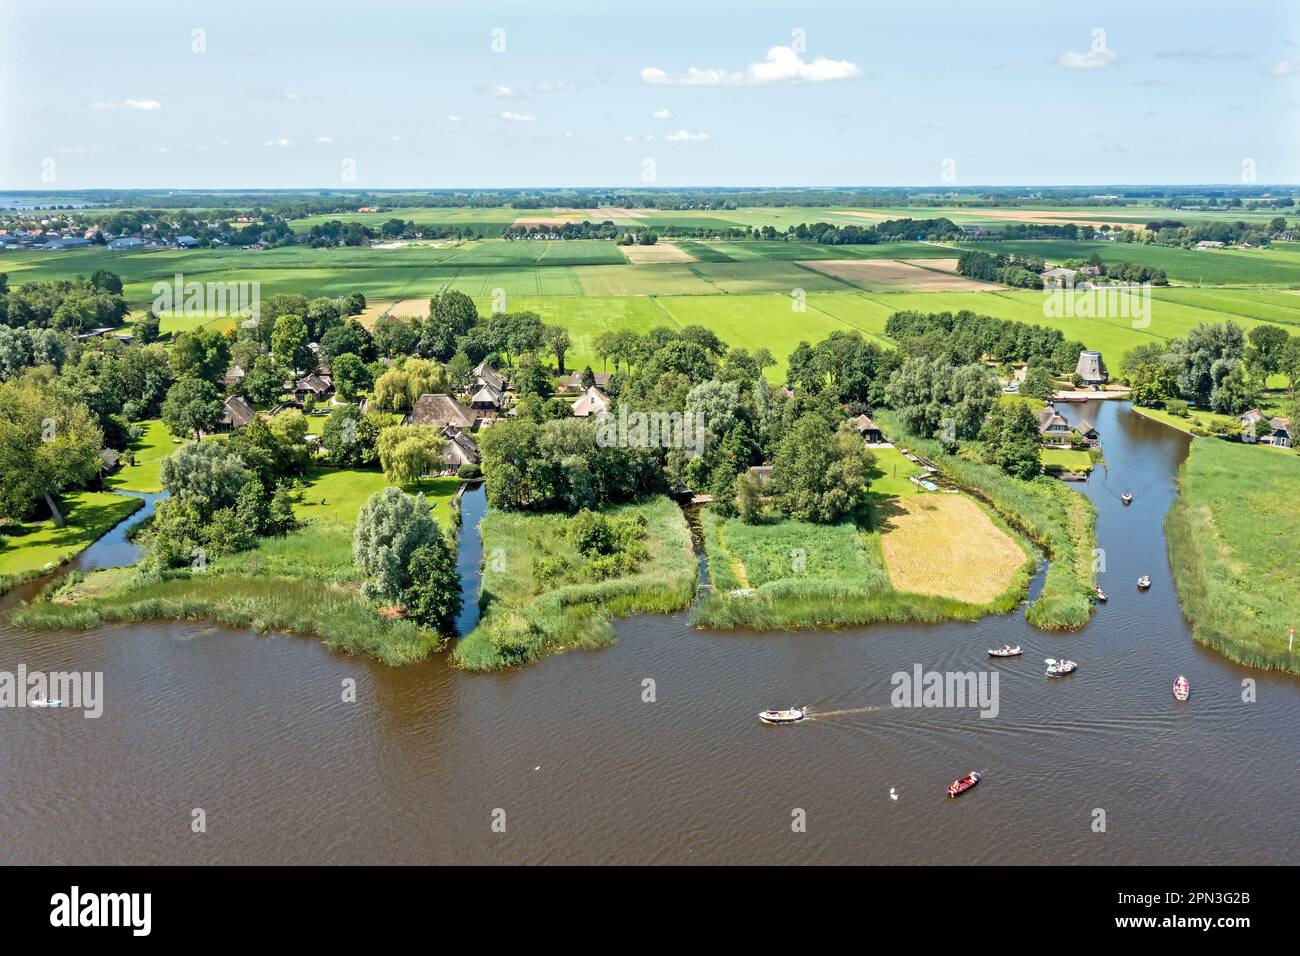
{"points": [[1233, 552], [28, 548], [524, 619]]}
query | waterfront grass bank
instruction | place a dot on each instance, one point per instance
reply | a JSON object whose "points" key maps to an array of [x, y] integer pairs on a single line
{"points": [[537, 598], [1233, 552]]}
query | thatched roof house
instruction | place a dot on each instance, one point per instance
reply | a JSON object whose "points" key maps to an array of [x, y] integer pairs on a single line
{"points": [[441, 411]]}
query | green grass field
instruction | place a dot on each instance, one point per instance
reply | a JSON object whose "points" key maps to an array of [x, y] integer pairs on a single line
{"points": [[1233, 552], [145, 475], [30, 546], [1065, 459]]}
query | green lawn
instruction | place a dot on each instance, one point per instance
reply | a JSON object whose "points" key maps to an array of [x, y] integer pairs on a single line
{"points": [[145, 475], [890, 474], [1234, 553], [1065, 459], [30, 546], [337, 494]]}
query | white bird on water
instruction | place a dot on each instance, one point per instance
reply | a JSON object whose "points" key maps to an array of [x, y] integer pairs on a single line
{"points": [[892, 794]]}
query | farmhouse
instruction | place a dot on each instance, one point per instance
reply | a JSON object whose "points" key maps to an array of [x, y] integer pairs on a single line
{"points": [[1091, 368], [1209, 244], [125, 242], [237, 413], [109, 461], [234, 375], [1088, 432], [1058, 277], [1052, 425], [573, 381], [1277, 431], [869, 430], [315, 386], [485, 374], [592, 402], [1281, 434], [972, 230], [442, 411], [488, 399], [460, 450]]}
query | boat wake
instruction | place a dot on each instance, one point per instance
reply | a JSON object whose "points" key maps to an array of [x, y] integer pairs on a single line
{"points": [[819, 714]]}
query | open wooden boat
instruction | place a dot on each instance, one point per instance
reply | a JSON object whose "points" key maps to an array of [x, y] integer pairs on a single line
{"points": [[1144, 582], [788, 716], [960, 786], [1182, 688], [1126, 498], [1006, 650], [1101, 595], [1059, 668]]}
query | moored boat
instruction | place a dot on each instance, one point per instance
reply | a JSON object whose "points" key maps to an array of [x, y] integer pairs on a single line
{"points": [[1101, 595], [1006, 650], [1057, 668], [1144, 582], [788, 716], [1182, 688], [961, 785]]}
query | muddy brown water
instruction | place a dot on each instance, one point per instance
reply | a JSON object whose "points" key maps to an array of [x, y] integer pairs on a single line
{"points": [[253, 731]]}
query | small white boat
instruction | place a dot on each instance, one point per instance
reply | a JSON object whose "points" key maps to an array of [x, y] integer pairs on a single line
{"points": [[1144, 582], [788, 716], [1006, 650], [1101, 595], [1126, 498], [1182, 688], [56, 702], [1057, 668]]}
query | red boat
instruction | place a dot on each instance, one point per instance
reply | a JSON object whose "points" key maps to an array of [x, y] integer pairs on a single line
{"points": [[1182, 688], [958, 787]]}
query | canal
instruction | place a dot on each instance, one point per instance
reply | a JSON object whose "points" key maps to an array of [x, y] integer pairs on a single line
{"points": [[588, 768]]}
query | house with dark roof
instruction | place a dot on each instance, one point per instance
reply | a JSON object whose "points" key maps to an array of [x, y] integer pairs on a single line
{"points": [[460, 450], [236, 413], [573, 381], [488, 400], [1053, 426], [109, 461], [441, 411], [1280, 433], [485, 374], [315, 385], [1088, 432], [869, 430]]}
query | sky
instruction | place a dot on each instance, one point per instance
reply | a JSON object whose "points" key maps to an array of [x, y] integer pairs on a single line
{"points": [[403, 94]]}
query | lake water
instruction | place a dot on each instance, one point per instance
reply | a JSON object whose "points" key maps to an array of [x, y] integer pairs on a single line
{"points": [[253, 730]]}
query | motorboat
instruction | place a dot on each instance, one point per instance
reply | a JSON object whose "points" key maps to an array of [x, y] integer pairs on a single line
{"points": [[1006, 650], [1144, 582], [788, 716], [1182, 688], [960, 786], [1057, 668], [1101, 595], [56, 702], [1126, 498]]}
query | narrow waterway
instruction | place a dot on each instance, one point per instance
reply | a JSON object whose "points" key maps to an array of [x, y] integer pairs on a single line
{"points": [[254, 731]]}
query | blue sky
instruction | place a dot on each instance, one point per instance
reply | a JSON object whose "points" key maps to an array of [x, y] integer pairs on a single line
{"points": [[292, 94]]}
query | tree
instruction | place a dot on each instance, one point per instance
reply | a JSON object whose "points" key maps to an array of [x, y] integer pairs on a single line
{"points": [[289, 344], [390, 528], [47, 445], [108, 281], [1267, 346], [557, 342], [1039, 383], [1010, 436], [1205, 357], [192, 406], [927, 393], [208, 475], [408, 451], [349, 437], [203, 353], [749, 503], [346, 337], [1235, 394], [351, 377], [819, 475], [263, 383], [433, 597]]}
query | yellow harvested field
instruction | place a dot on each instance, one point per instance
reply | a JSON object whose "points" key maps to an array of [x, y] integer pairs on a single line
{"points": [[945, 545], [616, 213], [899, 275], [403, 308], [561, 217], [659, 252]]}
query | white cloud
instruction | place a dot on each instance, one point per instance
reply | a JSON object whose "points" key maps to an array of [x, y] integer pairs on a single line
{"points": [[664, 113], [499, 91], [1092, 60], [683, 136], [324, 139], [558, 86], [146, 105], [782, 65], [282, 142], [453, 118], [395, 138], [510, 117], [1284, 68]]}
